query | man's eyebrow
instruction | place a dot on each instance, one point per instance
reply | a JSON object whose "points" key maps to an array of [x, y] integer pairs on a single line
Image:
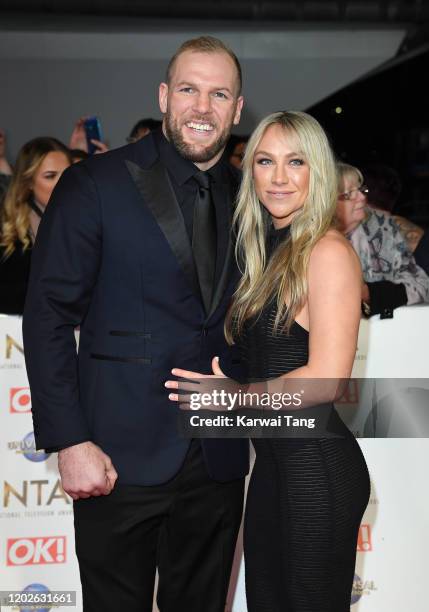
{"points": [[181, 83], [223, 89], [189, 84]]}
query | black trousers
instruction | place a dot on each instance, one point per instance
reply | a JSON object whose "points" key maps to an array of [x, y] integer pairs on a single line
{"points": [[186, 527]]}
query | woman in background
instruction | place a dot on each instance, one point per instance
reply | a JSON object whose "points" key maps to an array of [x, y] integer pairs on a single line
{"points": [[391, 276], [39, 165], [5, 167]]}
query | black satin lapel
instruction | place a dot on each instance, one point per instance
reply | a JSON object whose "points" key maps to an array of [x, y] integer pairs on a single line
{"points": [[222, 197], [154, 186]]}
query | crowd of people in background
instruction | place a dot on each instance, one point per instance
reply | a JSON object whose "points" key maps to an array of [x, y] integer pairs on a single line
{"points": [[394, 252]]}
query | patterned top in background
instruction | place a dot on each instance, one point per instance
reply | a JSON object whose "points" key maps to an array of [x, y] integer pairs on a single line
{"points": [[384, 255]]}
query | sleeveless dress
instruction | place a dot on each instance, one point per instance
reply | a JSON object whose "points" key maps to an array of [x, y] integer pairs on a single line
{"points": [[306, 496]]}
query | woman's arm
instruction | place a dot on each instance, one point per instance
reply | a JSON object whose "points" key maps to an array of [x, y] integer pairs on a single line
{"points": [[334, 297], [411, 232], [334, 294], [421, 254]]}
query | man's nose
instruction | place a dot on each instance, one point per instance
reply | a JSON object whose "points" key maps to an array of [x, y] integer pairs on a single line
{"points": [[202, 103]]}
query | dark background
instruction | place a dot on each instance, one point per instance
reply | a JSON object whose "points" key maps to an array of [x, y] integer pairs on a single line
{"points": [[384, 116]]}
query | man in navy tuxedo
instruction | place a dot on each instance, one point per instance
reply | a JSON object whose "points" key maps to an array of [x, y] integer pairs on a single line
{"points": [[135, 248]]}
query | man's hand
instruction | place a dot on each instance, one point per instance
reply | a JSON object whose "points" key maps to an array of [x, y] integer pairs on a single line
{"points": [[86, 471]]}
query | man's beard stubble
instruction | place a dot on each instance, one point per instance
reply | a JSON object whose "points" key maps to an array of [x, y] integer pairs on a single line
{"points": [[192, 152]]}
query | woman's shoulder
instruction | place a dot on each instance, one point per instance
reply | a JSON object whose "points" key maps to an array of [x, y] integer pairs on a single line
{"points": [[332, 252], [333, 242]]}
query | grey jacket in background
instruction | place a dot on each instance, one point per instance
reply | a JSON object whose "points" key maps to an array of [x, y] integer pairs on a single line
{"points": [[384, 255]]}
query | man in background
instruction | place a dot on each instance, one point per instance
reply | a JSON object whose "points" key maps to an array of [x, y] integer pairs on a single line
{"points": [[143, 128]]}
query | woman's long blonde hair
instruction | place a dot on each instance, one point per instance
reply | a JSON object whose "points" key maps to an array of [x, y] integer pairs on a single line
{"points": [[15, 216], [284, 276]]}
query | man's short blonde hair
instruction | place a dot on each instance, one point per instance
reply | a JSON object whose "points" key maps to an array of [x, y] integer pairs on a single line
{"points": [[205, 44]]}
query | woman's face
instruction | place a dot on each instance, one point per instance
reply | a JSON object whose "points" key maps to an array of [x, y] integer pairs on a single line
{"points": [[351, 204], [47, 175], [281, 175]]}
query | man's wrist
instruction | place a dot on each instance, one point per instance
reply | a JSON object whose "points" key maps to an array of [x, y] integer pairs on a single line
{"points": [[58, 449]]}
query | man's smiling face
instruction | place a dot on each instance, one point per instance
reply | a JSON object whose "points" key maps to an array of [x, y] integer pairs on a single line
{"points": [[201, 104]]}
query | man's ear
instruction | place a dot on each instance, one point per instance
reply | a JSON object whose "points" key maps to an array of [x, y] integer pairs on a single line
{"points": [[240, 102], [162, 97]]}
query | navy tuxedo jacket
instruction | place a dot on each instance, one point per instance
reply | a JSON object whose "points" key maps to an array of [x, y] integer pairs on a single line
{"points": [[113, 256]]}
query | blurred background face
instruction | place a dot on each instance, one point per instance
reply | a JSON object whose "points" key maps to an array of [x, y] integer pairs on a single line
{"points": [[141, 133], [237, 155], [47, 176], [351, 204]]}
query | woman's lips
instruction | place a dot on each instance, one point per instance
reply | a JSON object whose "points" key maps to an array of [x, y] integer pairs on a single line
{"points": [[280, 194]]}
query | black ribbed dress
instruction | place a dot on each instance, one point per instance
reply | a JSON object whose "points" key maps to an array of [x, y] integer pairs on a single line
{"points": [[306, 497]]}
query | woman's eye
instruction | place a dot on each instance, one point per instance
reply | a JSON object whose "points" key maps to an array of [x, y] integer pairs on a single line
{"points": [[297, 162], [263, 161], [50, 175]]}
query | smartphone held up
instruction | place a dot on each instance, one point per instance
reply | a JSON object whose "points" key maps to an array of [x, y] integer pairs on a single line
{"points": [[93, 131]]}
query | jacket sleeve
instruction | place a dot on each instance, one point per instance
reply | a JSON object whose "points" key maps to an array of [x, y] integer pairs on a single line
{"points": [[64, 269]]}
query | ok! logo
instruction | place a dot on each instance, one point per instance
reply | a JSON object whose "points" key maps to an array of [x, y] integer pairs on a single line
{"points": [[364, 543], [36, 551], [20, 400]]}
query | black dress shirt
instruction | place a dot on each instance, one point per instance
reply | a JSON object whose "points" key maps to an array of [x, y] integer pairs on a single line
{"points": [[181, 171]]}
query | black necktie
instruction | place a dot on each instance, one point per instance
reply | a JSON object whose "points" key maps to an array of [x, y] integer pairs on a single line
{"points": [[204, 237]]}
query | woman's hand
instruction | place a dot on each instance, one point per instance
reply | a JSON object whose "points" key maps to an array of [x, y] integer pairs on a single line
{"points": [[78, 138], [195, 385], [101, 146]]}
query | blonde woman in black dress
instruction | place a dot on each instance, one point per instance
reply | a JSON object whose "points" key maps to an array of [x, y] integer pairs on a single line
{"points": [[295, 316]]}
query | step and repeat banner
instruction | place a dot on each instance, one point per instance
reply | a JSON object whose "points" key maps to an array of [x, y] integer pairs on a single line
{"points": [[36, 516]]}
